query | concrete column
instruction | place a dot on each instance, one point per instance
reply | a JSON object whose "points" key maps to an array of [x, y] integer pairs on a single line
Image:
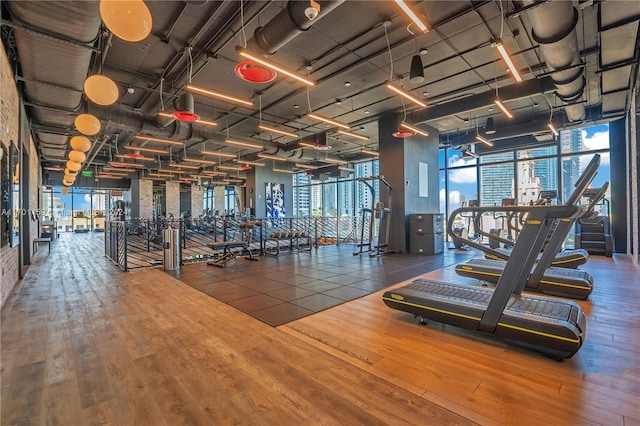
{"points": [[197, 200], [410, 166], [172, 198], [218, 199], [141, 198]]}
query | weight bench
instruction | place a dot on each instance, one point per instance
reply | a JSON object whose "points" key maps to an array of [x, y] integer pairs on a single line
{"points": [[37, 241], [232, 249]]}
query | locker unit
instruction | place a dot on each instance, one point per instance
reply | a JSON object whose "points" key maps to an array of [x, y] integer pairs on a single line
{"points": [[426, 233]]}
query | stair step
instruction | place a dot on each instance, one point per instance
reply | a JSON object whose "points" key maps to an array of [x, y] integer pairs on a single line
{"points": [[590, 236]]}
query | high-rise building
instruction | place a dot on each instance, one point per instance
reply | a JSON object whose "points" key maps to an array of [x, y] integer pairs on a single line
{"points": [[570, 142], [496, 181], [301, 195], [528, 188]]}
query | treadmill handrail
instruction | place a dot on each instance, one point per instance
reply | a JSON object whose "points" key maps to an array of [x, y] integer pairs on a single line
{"points": [[584, 180], [581, 186], [558, 237], [523, 256]]}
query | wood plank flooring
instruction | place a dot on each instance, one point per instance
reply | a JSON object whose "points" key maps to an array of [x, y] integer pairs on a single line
{"points": [[84, 343]]}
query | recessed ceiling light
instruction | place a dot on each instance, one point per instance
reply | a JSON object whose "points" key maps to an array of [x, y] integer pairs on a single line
{"points": [[347, 83], [425, 93], [490, 109], [423, 51], [366, 111], [296, 106]]}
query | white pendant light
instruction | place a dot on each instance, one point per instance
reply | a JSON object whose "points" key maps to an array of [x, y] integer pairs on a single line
{"points": [[101, 90], [87, 124], [129, 20]]}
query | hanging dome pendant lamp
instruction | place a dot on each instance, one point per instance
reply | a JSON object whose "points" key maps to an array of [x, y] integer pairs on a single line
{"points": [[129, 20]]}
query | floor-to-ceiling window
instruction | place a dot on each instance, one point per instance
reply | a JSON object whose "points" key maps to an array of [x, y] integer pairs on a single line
{"points": [[521, 174]]}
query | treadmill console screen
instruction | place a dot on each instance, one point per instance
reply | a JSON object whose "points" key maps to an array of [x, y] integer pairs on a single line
{"points": [[508, 202], [474, 203]]}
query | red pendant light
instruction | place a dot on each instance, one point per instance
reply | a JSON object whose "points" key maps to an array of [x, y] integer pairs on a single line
{"points": [[403, 133], [184, 106], [255, 73]]}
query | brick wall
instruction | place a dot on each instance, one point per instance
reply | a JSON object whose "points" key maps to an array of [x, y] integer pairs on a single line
{"points": [[9, 130]]}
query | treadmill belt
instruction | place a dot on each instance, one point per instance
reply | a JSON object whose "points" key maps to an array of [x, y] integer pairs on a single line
{"points": [[477, 297], [556, 281], [552, 326]]}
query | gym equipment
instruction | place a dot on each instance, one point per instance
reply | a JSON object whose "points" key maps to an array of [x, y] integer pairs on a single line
{"points": [[551, 326], [369, 216], [232, 249], [564, 259], [462, 232], [556, 281], [497, 234], [594, 234]]}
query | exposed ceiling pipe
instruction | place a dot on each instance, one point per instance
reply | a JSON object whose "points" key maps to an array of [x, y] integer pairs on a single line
{"points": [[554, 29], [288, 24]]}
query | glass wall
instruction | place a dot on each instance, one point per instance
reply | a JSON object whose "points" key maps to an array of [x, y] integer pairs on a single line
{"points": [[336, 197], [79, 210], [208, 199], [522, 174]]}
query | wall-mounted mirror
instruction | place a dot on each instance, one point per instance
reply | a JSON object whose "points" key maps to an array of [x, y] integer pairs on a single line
{"points": [[14, 176]]}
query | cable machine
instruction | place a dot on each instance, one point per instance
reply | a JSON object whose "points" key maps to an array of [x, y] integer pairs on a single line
{"points": [[379, 211], [369, 216]]}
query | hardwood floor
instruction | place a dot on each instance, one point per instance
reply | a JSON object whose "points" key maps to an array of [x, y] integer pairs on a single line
{"points": [[83, 343]]}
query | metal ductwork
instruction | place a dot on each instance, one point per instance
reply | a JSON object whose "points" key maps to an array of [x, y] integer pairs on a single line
{"points": [[553, 27], [288, 24], [63, 34]]}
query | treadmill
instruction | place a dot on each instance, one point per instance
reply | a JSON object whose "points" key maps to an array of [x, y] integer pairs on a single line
{"points": [[556, 281], [551, 326], [564, 259]]}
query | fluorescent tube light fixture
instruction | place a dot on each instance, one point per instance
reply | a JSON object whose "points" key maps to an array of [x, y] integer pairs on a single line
{"points": [[160, 140], [219, 95], [218, 153], [553, 130], [507, 60], [242, 143], [411, 14], [278, 131], [231, 168], [354, 135], [143, 149], [306, 166], [283, 171], [328, 120], [503, 108], [415, 129], [183, 166], [484, 140], [251, 163], [198, 160], [272, 157], [374, 153], [405, 94]]}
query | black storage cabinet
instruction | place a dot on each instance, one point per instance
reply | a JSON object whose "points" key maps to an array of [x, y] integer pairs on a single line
{"points": [[426, 233]]}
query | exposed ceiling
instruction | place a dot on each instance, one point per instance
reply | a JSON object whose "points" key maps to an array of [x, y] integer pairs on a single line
{"points": [[350, 50]]}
